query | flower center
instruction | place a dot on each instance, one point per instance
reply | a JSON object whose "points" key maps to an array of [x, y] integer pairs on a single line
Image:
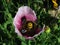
{"points": [[30, 25]]}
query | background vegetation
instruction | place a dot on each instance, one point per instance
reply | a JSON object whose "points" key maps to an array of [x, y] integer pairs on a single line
{"points": [[8, 9]]}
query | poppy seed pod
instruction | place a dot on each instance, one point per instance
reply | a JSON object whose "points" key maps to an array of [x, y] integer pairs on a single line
{"points": [[25, 23]]}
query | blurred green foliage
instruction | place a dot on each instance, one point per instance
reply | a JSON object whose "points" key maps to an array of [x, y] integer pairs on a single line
{"points": [[8, 9]]}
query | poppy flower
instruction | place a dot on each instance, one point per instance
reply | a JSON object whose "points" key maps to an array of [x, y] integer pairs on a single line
{"points": [[25, 23]]}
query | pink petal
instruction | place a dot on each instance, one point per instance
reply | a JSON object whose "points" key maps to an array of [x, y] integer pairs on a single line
{"points": [[23, 11]]}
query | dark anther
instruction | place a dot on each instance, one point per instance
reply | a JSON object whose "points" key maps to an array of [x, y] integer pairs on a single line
{"points": [[23, 19]]}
